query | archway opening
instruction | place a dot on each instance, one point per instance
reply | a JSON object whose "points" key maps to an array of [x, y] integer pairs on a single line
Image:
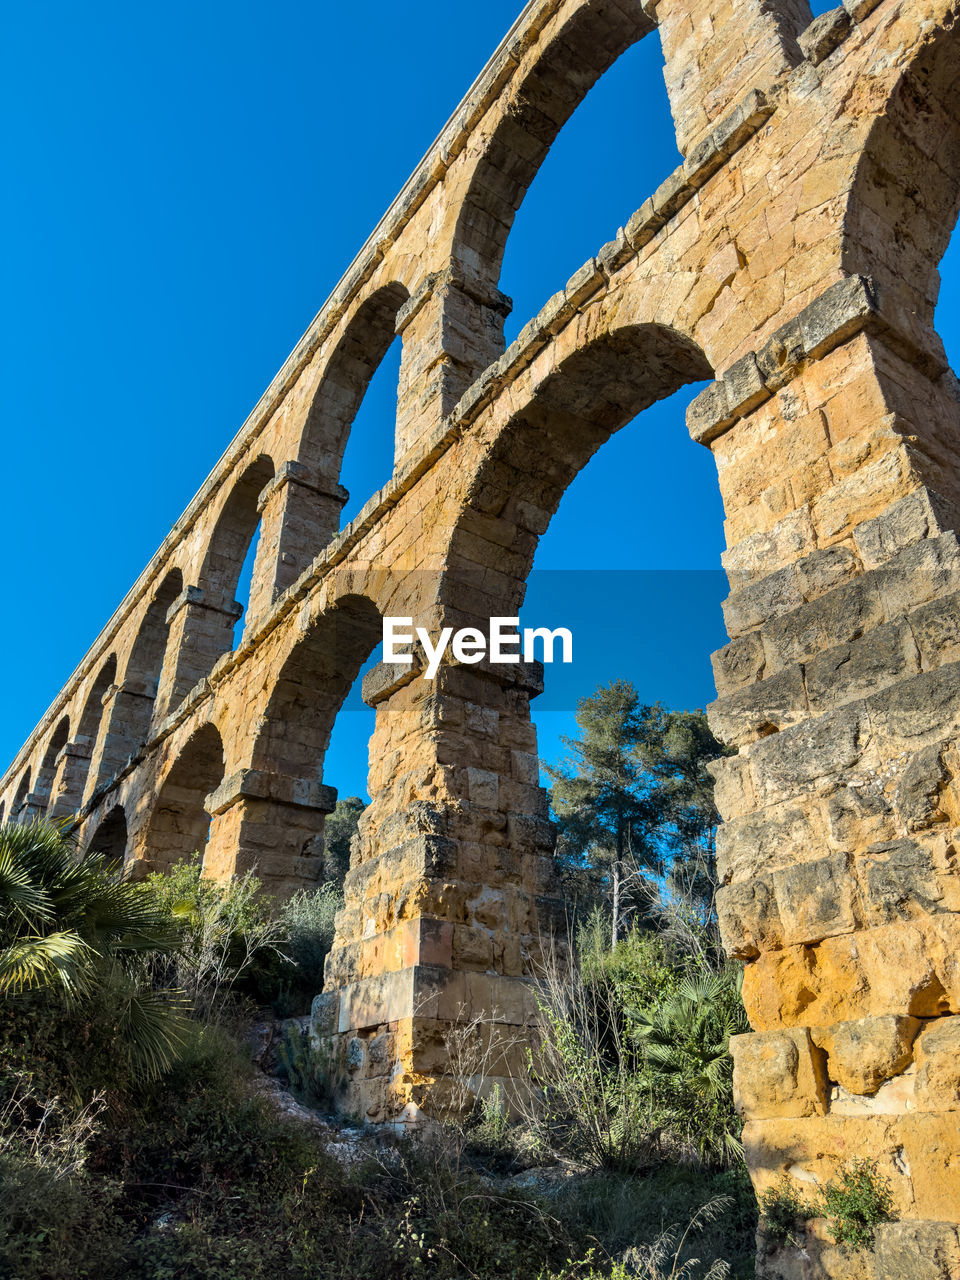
{"points": [[20, 799], [89, 727], [141, 679], [597, 172], [319, 687], [618, 544], [905, 198], [362, 371], [45, 774], [110, 837], [180, 823], [227, 573], [368, 455], [312, 686], [592, 39]]}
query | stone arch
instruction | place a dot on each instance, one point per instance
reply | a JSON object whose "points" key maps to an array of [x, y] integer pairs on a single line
{"points": [[269, 817], [231, 538], [203, 622], [541, 102], [179, 823], [88, 731], [110, 837], [145, 663], [595, 391], [130, 704], [453, 890], [345, 380], [905, 195], [43, 788], [20, 798], [311, 688]]}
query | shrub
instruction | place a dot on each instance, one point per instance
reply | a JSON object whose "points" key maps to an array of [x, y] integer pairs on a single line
{"points": [[856, 1202], [784, 1211], [307, 922], [686, 1044], [665, 1258], [225, 929], [853, 1204]]}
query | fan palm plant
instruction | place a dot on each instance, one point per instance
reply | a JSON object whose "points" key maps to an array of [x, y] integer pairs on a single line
{"points": [[70, 926], [685, 1041]]}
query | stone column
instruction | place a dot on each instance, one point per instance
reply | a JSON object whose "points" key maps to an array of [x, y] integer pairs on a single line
{"points": [[119, 738], [716, 51], [836, 445], [33, 806], [271, 824], [201, 630], [299, 514], [452, 330], [450, 893], [70, 773]]}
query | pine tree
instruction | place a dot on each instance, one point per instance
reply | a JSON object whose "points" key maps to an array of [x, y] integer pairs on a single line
{"points": [[634, 794]]}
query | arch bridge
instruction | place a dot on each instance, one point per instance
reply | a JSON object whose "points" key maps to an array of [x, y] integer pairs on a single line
{"points": [[791, 260]]}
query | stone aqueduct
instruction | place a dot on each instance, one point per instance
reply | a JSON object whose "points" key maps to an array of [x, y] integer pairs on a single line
{"points": [[792, 259]]}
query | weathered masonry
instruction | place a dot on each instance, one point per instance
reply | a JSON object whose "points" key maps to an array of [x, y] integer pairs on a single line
{"points": [[792, 259]]}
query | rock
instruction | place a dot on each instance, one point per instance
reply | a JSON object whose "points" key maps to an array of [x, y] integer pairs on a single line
{"points": [[862, 1054]]}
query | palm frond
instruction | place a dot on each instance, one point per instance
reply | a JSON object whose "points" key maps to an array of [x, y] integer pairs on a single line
{"points": [[54, 960]]}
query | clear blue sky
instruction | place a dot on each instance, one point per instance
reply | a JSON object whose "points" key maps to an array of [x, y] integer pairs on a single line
{"points": [[186, 185]]}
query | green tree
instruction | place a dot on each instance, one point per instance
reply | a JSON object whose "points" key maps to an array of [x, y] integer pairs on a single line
{"points": [[338, 830], [633, 796]]}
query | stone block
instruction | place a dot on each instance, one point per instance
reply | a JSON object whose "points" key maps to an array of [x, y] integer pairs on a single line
{"points": [[760, 709], [745, 386], [824, 34], [748, 916], [733, 792], [935, 627], [925, 706], [918, 792], [814, 900], [860, 9], [911, 1250], [860, 667], [919, 514], [708, 414], [859, 814], [615, 253], [837, 618], [768, 840], [813, 752], [483, 788], [863, 1053], [938, 1065], [778, 1074], [738, 663], [775, 595], [584, 283], [642, 225]]}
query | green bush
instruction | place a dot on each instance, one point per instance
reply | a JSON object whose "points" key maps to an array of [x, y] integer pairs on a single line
{"points": [[307, 923], [784, 1211], [685, 1039], [856, 1202]]}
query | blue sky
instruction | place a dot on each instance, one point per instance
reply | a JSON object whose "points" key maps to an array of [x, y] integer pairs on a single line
{"points": [[188, 184]]}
